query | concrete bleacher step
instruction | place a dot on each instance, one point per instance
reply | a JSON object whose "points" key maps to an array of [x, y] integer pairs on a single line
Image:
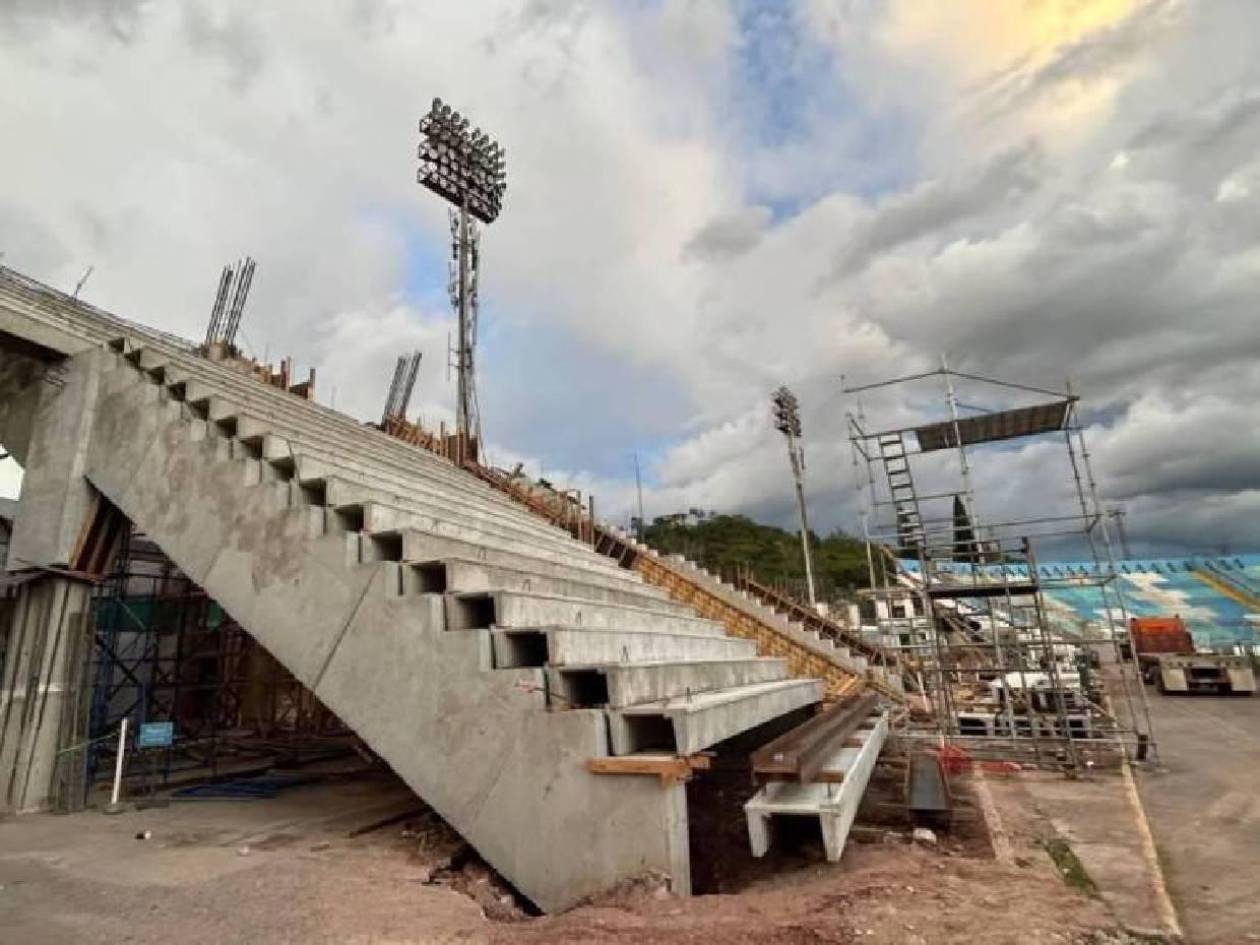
{"points": [[345, 487], [385, 516], [232, 420], [255, 422], [201, 380], [419, 546], [182, 369], [462, 575], [688, 724], [621, 685], [381, 517], [518, 609], [375, 518], [585, 646], [239, 470]]}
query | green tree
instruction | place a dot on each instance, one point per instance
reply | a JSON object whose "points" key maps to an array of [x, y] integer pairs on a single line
{"points": [[725, 543]]}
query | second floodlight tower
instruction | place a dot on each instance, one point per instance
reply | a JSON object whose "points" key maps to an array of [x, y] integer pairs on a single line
{"points": [[467, 168], [787, 420]]}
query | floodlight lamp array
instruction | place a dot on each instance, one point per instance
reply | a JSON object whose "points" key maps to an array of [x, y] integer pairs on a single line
{"points": [[787, 416], [461, 165]]}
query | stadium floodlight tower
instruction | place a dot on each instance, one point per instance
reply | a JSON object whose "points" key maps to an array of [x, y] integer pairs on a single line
{"points": [[787, 420], [465, 167]]}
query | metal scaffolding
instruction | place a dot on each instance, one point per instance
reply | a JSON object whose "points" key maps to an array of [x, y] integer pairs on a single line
{"points": [[165, 652], [963, 597]]}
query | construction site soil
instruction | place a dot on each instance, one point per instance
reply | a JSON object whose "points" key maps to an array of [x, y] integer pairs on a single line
{"points": [[722, 863], [289, 870], [881, 893]]}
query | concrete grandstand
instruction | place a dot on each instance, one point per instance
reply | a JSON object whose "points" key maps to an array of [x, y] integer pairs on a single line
{"points": [[1218, 597]]}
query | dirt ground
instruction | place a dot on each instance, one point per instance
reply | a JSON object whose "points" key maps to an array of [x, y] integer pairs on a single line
{"points": [[880, 894], [287, 870], [1204, 811]]}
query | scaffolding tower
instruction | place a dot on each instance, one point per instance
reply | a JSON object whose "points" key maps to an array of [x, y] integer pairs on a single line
{"points": [[963, 596], [163, 651]]}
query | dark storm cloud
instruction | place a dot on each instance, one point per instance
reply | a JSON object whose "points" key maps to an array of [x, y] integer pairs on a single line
{"points": [[230, 39], [728, 236], [119, 19], [934, 208]]}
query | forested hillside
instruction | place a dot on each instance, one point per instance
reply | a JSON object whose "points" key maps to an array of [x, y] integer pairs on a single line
{"points": [[726, 542]]}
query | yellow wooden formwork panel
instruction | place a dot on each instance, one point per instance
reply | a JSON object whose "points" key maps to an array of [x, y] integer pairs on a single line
{"points": [[769, 641]]}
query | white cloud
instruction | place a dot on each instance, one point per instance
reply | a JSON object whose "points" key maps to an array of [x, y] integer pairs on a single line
{"points": [[931, 185]]}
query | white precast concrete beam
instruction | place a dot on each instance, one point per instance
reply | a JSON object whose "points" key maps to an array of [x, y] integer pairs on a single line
{"points": [[701, 720], [835, 805]]}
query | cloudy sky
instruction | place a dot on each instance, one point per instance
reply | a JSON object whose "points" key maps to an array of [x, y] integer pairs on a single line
{"points": [[705, 200]]}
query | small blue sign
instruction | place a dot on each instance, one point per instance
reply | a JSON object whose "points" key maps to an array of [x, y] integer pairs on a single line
{"points": [[156, 735]]}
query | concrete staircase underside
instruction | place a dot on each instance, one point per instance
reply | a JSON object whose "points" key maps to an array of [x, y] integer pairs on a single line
{"points": [[482, 653]]}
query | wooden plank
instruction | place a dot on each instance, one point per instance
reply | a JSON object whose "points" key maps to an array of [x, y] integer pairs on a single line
{"points": [[800, 753], [837, 729], [667, 767]]}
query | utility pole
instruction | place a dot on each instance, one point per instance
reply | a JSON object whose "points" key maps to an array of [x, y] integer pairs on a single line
{"points": [[787, 420], [1117, 513], [638, 486], [399, 396], [462, 288], [467, 169]]}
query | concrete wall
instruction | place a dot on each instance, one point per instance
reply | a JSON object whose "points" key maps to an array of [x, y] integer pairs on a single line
{"points": [[6, 529], [53, 335], [44, 654], [19, 397], [55, 496]]}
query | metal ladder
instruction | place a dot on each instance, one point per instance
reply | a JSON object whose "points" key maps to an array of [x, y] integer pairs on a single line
{"points": [[905, 503]]}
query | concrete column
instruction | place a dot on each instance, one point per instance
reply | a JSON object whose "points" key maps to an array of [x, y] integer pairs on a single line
{"points": [[679, 840], [19, 397], [44, 653], [56, 497], [758, 833]]}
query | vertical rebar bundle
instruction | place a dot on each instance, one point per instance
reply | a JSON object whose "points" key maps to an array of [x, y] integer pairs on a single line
{"points": [[462, 286], [229, 303], [400, 389]]}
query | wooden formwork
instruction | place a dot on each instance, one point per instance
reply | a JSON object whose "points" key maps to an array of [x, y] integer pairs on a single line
{"points": [[569, 515], [770, 642]]}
